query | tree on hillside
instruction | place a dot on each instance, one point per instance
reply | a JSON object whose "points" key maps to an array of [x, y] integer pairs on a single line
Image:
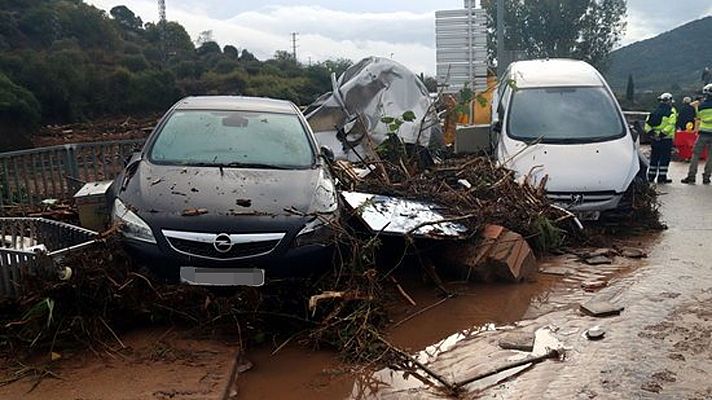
{"points": [[19, 113], [126, 18], [65, 60], [630, 89], [582, 29]]}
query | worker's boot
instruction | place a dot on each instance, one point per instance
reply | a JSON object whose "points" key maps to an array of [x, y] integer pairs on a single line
{"points": [[663, 180], [689, 180], [705, 180]]}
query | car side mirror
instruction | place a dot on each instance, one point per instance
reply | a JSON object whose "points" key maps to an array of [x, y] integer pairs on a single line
{"points": [[635, 131], [328, 154], [133, 157]]}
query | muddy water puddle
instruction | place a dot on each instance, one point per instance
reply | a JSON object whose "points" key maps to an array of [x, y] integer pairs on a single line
{"points": [[446, 335]]}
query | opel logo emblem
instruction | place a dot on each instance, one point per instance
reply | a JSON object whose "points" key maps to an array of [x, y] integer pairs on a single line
{"points": [[223, 243]]}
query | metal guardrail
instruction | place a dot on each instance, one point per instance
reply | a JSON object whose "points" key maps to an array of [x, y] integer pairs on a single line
{"points": [[30, 176], [27, 245]]}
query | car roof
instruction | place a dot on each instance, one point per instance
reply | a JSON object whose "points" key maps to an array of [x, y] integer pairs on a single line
{"points": [[553, 73], [236, 103]]}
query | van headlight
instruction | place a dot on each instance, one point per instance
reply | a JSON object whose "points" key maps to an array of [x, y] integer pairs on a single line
{"points": [[132, 226]]}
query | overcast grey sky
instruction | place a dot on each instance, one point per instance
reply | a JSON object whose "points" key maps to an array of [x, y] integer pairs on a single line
{"points": [[355, 29]]}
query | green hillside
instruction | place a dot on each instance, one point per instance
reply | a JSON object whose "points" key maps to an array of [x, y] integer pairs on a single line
{"points": [[670, 61], [66, 61]]}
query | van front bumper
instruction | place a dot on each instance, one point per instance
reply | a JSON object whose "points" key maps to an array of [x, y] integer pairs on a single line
{"points": [[586, 202]]}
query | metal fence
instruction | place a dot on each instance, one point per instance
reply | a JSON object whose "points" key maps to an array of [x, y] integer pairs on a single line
{"points": [[30, 176], [29, 245]]}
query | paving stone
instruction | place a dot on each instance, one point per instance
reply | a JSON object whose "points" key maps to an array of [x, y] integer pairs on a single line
{"points": [[561, 271], [517, 341], [633, 253], [601, 308], [592, 286], [599, 260]]}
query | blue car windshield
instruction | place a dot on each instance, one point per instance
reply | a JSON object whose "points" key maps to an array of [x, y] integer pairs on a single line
{"points": [[566, 114], [233, 138]]}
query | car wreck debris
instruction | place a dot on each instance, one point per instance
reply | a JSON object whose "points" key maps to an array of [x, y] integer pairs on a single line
{"points": [[389, 215], [349, 118]]}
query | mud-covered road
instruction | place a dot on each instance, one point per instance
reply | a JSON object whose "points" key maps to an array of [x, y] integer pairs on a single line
{"points": [[659, 347]]}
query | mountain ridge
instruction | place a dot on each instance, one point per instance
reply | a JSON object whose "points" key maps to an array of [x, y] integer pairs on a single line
{"points": [[672, 60]]}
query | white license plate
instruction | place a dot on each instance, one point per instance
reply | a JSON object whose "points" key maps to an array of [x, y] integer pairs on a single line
{"points": [[588, 215], [222, 276]]}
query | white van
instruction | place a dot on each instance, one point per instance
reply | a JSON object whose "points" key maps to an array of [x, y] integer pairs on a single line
{"points": [[558, 120]]}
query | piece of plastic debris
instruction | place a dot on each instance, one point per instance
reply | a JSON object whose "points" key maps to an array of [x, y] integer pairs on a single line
{"points": [[595, 333], [465, 183], [65, 274]]}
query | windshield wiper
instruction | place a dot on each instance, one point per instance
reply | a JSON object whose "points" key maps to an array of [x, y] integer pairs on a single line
{"points": [[235, 164]]}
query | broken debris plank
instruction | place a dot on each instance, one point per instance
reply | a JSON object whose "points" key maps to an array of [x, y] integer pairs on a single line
{"points": [[596, 308], [391, 215]]}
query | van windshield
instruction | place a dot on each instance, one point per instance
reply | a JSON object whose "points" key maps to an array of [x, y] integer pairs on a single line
{"points": [[233, 138], [564, 115]]}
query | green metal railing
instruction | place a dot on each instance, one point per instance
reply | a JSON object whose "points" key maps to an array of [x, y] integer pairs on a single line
{"points": [[30, 176]]}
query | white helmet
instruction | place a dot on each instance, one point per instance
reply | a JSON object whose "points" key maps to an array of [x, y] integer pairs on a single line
{"points": [[707, 89], [666, 97]]}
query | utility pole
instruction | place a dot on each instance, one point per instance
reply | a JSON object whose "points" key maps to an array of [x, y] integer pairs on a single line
{"points": [[502, 58], [294, 45]]}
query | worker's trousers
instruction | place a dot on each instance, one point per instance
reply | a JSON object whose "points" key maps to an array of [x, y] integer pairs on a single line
{"points": [[704, 139], [660, 159]]}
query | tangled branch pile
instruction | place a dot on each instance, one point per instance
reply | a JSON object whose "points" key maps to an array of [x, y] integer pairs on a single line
{"points": [[107, 295]]}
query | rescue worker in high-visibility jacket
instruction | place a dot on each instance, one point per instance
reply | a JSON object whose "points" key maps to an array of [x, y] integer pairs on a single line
{"points": [[661, 125], [704, 139]]}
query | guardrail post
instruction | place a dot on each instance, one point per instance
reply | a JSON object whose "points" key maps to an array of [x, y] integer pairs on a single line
{"points": [[71, 168]]}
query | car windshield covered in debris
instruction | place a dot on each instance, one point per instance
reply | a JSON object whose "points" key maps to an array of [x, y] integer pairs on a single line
{"points": [[225, 188], [233, 138]]}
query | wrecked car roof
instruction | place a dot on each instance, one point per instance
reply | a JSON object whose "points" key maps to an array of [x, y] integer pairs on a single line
{"points": [[236, 103]]}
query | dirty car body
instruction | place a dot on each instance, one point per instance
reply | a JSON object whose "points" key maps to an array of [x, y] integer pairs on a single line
{"points": [[559, 123], [227, 183]]}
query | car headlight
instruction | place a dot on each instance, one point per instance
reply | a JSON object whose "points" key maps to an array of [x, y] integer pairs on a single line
{"points": [[132, 226], [317, 231]]}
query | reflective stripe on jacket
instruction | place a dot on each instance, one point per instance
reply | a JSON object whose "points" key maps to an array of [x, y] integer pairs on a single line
{"points": [[668, 126], [704, 113]]}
